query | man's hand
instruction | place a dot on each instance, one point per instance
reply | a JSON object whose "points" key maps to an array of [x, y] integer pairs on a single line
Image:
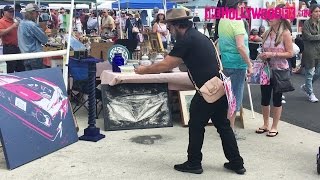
{"points": [[15, 24], [140, 70]]}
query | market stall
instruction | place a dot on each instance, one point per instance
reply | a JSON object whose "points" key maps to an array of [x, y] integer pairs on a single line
{"points": [[142, 4]]}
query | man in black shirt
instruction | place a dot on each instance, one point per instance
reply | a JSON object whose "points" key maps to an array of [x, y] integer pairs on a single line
{"points": [[197, 52]]}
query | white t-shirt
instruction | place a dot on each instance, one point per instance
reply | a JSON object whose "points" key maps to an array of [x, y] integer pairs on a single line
{"points": [[162, 28], [60, 18], [78, 25], [92, 23]]}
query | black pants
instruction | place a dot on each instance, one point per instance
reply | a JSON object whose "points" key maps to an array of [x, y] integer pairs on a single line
{"points": [[292, 62], [89, 31], [13, 66], [266, 91], [200, 113]]}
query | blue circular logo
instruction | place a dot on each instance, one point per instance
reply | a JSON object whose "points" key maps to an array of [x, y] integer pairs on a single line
{"points": [[117, 48]]}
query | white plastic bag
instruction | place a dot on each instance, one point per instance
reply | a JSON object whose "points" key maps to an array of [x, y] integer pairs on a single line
{"points": [[296, 49]]}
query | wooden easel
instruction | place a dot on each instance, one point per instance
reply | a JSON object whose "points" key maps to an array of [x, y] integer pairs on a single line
{"points": [[239, 119]]}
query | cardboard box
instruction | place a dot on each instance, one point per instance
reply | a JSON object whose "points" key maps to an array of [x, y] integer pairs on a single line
{"points": [[100, 50], [3, 67], [57, 63], [49, 48]]}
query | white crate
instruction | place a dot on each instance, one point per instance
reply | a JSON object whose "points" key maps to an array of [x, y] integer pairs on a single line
{"points": [[3, 67], [57, 63]]}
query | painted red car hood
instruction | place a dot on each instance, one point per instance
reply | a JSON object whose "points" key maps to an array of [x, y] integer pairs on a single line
{"points": [[23, 92]]}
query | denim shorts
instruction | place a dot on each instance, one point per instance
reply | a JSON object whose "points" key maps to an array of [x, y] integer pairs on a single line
{"points": [[237, 77]]}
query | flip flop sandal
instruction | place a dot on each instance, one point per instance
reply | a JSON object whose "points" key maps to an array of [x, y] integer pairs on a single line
{"points": [[272, 134], [261, 131]]}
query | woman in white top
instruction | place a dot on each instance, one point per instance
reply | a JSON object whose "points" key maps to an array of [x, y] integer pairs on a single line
{"points": [[78, 24], [161, 28]]}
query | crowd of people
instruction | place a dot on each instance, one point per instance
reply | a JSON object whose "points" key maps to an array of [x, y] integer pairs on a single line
{"points": [[22, 35]]}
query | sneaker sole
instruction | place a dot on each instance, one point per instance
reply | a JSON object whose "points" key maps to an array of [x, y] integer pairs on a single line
{"points": [[198, 171], [240, 171]]}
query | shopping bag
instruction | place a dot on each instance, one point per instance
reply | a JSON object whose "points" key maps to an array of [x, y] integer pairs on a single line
{"points": [[232, 103], [254, 78], [261, 73], [265, 74]]}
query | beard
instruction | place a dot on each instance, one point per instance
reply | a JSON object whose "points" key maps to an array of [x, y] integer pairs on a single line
{"points": [[178, 36]]}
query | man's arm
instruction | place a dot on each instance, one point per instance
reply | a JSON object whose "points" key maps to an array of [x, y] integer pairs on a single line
{"points": [[242, 49], [167, 64], [306, 34], [39, 34], [4, 32], [243, 52]]}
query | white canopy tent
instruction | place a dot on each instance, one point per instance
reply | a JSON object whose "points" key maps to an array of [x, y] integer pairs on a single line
{"points": [[105, 5], [68, 6]]}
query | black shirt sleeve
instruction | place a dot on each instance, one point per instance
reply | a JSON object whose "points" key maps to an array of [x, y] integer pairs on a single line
{"points": [[181, 48]]}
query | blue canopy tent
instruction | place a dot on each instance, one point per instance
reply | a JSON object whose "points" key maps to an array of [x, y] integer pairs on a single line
{"points": [[142, 4]]}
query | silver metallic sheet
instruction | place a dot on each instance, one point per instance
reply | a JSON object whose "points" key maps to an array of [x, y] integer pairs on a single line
{"points": [[136, 106]]}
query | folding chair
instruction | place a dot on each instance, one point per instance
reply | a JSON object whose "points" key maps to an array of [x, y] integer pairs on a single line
{"points": [[78, 72]]}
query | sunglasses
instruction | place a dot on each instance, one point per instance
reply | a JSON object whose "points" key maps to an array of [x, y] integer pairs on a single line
{"points": [[104, 12]]}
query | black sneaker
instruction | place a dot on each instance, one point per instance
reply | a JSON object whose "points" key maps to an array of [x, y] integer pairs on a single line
{"points": [[188, 167], [241, 170]]}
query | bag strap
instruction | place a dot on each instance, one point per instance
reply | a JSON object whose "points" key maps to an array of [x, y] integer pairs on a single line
{"points": [[194, 83], [161, 29], [222, 76], [215, 43]]}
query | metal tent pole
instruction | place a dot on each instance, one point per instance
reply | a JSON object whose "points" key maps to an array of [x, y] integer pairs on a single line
{"points": [[120, 20], [66, 57]]}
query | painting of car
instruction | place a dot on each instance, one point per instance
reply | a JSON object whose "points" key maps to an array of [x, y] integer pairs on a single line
{"points": [[38, 103]]}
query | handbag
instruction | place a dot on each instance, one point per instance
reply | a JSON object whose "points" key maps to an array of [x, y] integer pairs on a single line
{"points": [[232, 102], [135, 30], [213, 89], [281, 81], [265, 75]]}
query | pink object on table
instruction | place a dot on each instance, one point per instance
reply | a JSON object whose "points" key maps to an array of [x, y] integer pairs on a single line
{"points": [[175, 80]]}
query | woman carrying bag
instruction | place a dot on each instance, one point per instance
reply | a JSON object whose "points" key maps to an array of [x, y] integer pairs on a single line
{"points": [[277, 48], [161, 28], [133, 26]]}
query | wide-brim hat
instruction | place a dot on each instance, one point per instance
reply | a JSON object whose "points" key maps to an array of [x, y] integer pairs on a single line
{"points": [[176, 14], [161, 11], [32, 7], [130, 13]]}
